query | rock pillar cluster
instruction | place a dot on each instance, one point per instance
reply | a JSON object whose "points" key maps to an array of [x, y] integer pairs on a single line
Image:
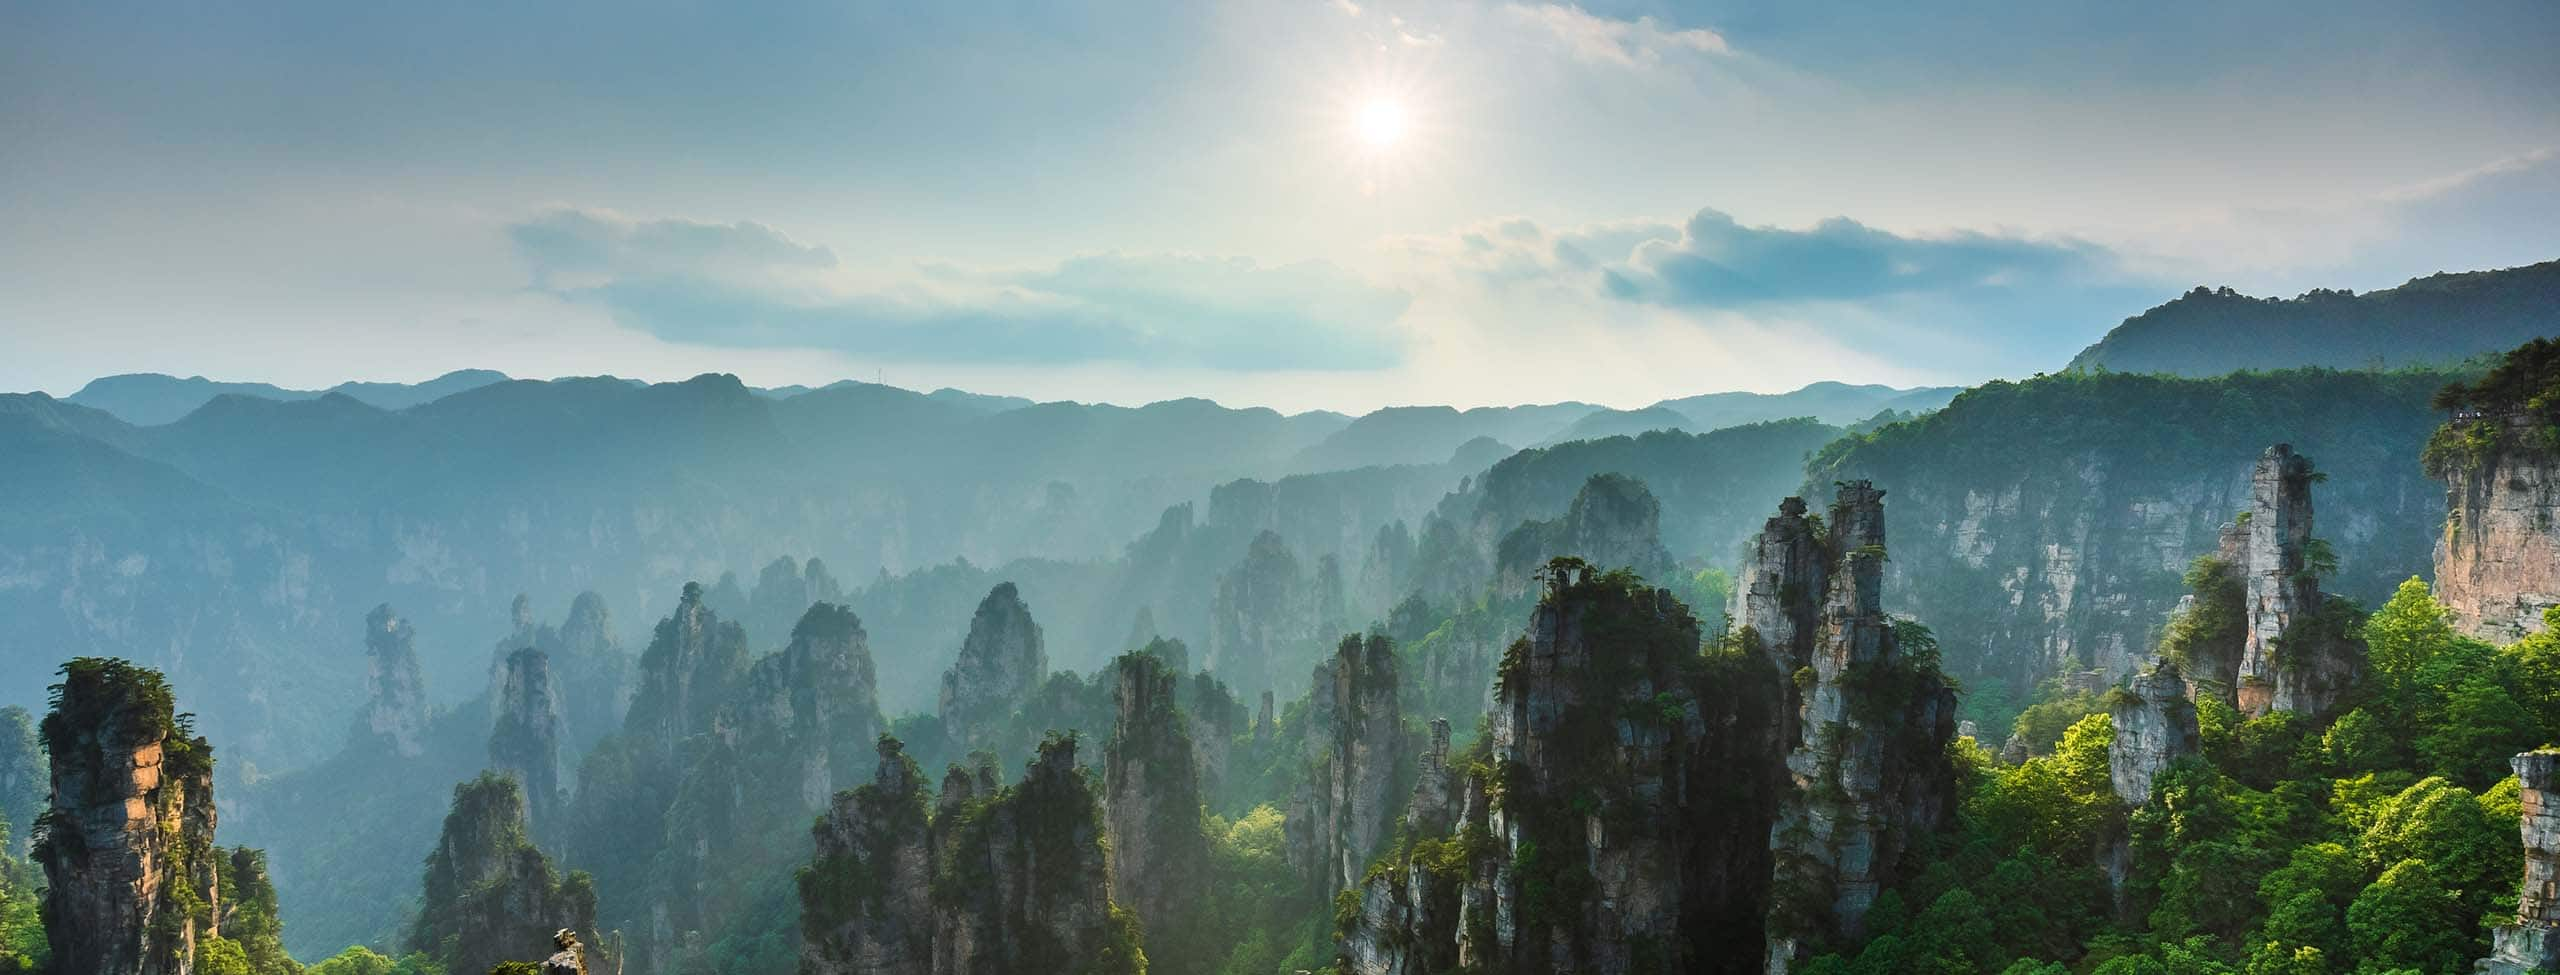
{"points": [[1000, 664], [991, 880], [525, 738], [1869, 722], [1358, 734], [1158, 855]]}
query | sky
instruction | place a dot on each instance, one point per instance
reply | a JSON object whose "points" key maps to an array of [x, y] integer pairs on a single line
{"points": [[1327, 204]]}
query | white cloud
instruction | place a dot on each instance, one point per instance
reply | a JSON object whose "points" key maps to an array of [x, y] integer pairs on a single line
{"points": [[1642, 42]]}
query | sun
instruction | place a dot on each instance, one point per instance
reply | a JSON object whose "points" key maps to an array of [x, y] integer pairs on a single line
{"points": [[1379, 123]]}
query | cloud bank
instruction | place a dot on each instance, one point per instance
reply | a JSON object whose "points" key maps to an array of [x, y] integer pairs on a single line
{"points": [[748, 285]]}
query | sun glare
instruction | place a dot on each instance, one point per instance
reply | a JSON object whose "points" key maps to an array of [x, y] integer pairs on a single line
{"points": [[1380, 123]]}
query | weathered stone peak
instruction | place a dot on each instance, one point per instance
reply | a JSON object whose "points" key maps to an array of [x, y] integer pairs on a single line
{"points": [[525, 740], [1158, 856], [131, 886], [693, 661], [396, 689], [1001, 662], [489, 894], [1867, 726], [2155, 725], [1358, 724]]}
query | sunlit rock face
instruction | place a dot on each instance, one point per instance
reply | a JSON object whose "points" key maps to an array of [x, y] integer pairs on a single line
{"points": [[395, 689], [1867, 731], [2155, 724], [1001, 662], [2532, 943], [130, 841], [2497, 564]]}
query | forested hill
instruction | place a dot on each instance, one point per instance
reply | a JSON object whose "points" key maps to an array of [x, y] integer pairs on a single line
{"points": [[2435, 320]]}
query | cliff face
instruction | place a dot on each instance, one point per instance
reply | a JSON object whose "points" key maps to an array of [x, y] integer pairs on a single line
{"points": [[1340, 816], [1616, 817], [2043, 526], [804, 719], [396, 690], [132, 884], [692, 662], [2532, 943], [584, 654], [2497, 563], [1016, 876], [1263, 616], [1001, 662], [1159, 858], [23, 778], [489, 894], [866, 903], [525, 738], [1613, 522], [2155, 724], [1867, 734]]}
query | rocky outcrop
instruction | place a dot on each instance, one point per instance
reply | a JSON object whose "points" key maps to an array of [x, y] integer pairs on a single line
{"points": [[1262, 617], [1613, 522], [1001, 662], [693, 661], [992, 881], [1867, 726], [2291, 650], [1615, 819], [2155, 724], [2037, 523], [490, 895], [2532, 944], [804, 719], [2497, 563], [1159, 858], [584, 654], [131, 883], [525, 741], [866, 905], [395, 689], [1357, 726]]}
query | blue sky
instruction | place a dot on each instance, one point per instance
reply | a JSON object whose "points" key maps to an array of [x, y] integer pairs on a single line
{"points": [[1615, 202]]}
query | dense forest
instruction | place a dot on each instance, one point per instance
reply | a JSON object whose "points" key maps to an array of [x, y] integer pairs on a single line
{"points": [[2091, 673]]}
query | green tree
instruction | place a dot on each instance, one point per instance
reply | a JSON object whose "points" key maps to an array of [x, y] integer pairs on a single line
{"points": [[2408, 919], [2401, 637], [2477, 730]]}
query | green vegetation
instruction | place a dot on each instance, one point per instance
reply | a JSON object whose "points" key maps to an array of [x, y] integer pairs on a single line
{"points": [[2516, 405], [2381, 841]]}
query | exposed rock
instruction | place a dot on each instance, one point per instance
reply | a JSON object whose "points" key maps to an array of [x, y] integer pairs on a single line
{"points": [[396, 690], [1214, 718], [526, 739], [130, 886], [1159, 858], [866, 906], [1867, 731], [2294, 654], [806, 718], [570, 958], [489, 894], [1265, 724], [1614, 522], [2497, 563], [2155, 724], [584, 655], [1348, 803], [692, 663], [2532, 944], [1000, 664], [1628, 827], [785, 589], [1262, 617]]}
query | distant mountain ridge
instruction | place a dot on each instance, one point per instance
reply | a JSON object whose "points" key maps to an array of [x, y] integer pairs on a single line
{"points": [[151, 399], [2436, 320]]}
